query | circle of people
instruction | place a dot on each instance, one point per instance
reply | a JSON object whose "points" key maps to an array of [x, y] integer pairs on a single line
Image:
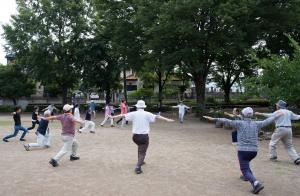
{"points": [[244, 136]]}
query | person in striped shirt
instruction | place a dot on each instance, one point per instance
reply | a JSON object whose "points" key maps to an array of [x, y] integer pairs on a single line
{"points": [[247, 142]]}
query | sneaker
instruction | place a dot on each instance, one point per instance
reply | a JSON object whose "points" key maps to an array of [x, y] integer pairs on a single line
{"points": [[138, 170], [92, 132], [297, 162], [27, 148], [274, 159], [101, 125], [5, 140], [243, 178], [74, 158], [258, 188], [112, 125], [22, 139], [53, 163]]}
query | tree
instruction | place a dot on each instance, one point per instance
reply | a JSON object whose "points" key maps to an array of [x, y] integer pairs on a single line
{"points": [[280, 78], [45, 36], [115, 25], [229, 69], [14, 83], [275, 18], [99, 69], [198, 32]]}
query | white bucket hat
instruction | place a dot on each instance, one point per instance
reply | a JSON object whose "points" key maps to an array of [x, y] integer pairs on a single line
{"points": [[247, 112], [140, 104], [67, 107]]}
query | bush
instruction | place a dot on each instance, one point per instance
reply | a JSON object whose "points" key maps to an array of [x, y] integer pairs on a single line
{"points": [[211, 100], [6, 108], [142, 93]]}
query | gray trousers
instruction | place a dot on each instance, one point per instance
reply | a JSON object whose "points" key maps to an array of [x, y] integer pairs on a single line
{"points": [[286, 136]]}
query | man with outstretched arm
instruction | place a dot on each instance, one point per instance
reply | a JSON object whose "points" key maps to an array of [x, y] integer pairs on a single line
{"points": [[140, 128], [283, 132]]}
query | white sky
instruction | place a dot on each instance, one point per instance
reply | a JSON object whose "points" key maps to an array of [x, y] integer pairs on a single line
{"points": [[7, 8]]}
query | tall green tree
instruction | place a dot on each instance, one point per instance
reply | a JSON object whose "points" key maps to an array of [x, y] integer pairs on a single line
{"points": [[15, 83], [197, 32], [115, 24], [99, 69], [279, 79], [45, 36]]}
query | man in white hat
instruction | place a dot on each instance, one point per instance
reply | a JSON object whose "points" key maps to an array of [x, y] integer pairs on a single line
{"points": [[140, 128], [247, 142], [283, 132], [68, 123]]}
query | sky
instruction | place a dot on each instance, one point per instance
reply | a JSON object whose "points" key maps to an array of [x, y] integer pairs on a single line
{"points": [[7, 8]]}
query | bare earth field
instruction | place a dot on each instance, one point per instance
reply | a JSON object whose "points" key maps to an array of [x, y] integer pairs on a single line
{"points": [[186, 160]]}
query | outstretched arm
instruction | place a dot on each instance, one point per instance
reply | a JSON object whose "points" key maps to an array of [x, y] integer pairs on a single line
{"points": [[48, 118], [164, 118], [264, 114], [295, 116], [118, 116], [231, 123], [230, 115]]}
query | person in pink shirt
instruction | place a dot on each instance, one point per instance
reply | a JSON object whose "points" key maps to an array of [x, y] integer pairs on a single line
{"points": [[123, 108], [68, 123]]}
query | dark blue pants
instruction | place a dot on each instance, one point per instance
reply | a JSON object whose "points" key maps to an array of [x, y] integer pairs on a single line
{"points": [[16, 131], [33, 124], [234, 136], [245, 158]]}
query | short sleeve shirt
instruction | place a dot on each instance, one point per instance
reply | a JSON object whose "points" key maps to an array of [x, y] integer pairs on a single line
{"points": [[68, 124], [17, 119], [123, 108], [140, 121]]}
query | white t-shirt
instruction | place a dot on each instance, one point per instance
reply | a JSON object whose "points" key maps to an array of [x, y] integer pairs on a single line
{"points": [[76, 114], [140, 121], [181, 108]]}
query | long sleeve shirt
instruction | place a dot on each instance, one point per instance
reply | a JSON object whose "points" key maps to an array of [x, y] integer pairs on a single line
{"points": [[285, 119], [247, 131], [181, 108]]}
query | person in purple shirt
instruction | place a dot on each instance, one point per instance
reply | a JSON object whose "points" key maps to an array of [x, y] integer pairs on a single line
{"points": [[109, 110], [68, 123]]}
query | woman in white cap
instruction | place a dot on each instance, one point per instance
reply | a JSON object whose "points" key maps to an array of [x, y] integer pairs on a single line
{"points": [[68, 123], [140, 128], [283, 132], [247, 142]]}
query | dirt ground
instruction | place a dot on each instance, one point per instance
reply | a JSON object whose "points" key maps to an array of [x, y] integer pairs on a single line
{"points": [[186, 160]]}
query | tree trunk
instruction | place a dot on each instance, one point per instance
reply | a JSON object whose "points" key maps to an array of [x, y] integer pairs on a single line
{"points": [[199, 80], [14, 101], [160, 89], [227, 88], [108, 96], [125, 83], [64, 95], [227, 95]]}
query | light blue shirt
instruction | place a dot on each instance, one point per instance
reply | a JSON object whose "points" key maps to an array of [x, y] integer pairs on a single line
{"points": [[285, 119]]}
